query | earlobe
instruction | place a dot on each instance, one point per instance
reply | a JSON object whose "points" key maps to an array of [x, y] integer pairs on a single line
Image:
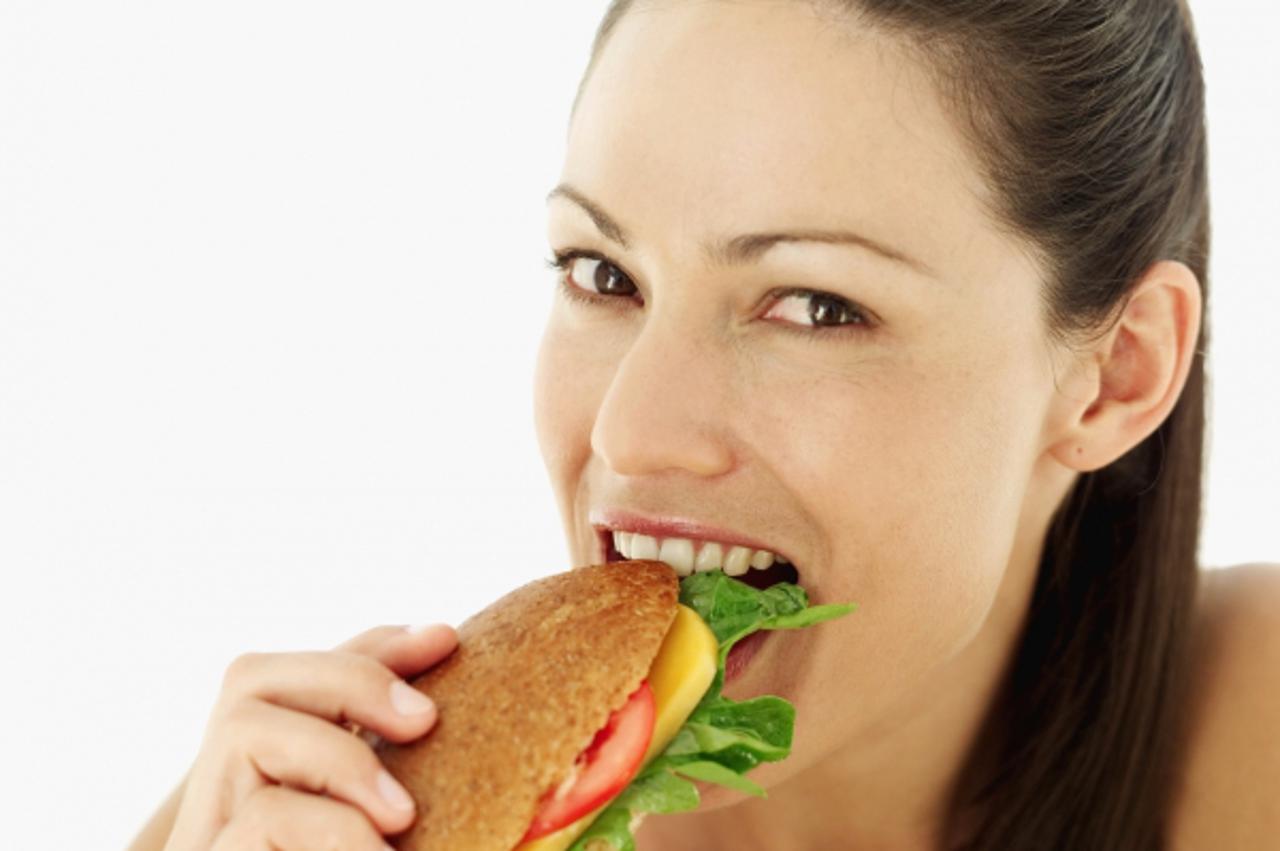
{"points": [[1137, 370]]}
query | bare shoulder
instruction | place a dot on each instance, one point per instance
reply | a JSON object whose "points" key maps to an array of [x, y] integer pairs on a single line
{"points": [[1231, 777]]}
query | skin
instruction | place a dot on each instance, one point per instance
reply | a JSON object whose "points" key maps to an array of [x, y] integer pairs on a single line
{"points": [[911, 465]]}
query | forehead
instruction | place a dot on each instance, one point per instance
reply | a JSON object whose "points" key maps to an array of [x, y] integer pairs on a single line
{"points": [[718, 117]]}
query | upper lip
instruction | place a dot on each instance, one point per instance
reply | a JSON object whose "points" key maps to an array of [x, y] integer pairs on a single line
{"points": [[607, 520]]}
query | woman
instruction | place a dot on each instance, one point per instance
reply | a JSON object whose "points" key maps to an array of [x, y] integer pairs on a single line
{"points": [[912, 293]]}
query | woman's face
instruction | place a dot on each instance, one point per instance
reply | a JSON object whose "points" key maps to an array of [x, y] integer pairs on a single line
{"points": [[899, 461]]}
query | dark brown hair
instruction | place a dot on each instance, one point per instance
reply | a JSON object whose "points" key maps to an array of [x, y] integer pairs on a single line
{"points": [[1087, 119]]}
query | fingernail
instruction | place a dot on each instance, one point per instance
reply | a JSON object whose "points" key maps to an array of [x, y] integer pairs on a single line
{"points": [[423, 627], [392, 792], [408, 700]]}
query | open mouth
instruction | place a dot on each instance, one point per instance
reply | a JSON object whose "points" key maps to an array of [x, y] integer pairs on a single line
{"points": [[757, 577]]}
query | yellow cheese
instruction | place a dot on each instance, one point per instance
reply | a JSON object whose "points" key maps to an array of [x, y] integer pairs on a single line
{"points": [[680, 675]]}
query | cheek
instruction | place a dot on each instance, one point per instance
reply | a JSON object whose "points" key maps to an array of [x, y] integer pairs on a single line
{"points": [[556, 403], [916, 486], [570, 380], [914, 480]]}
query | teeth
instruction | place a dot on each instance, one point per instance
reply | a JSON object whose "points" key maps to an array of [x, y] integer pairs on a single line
{"points": [[737, 561], [710, 557], [677, 552], [643, 546], [680, 554]]}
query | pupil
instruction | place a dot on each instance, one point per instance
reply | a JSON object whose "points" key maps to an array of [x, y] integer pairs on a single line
{"points": [[824, 311], [605, 281]]}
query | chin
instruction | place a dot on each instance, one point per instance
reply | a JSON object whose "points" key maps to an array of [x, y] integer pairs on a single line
{"points": [[712, 797]]}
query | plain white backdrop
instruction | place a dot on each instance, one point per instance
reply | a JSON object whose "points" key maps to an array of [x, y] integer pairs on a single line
{"points": [[271, 285]]}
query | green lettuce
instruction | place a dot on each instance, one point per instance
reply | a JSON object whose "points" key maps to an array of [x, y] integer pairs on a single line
{"points": [[722, 738]]}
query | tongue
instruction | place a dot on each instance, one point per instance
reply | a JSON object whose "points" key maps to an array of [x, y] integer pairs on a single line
{"points": [[741, 654]]}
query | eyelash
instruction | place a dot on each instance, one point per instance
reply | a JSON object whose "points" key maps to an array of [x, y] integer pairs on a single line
{"points": [[560, 262]]}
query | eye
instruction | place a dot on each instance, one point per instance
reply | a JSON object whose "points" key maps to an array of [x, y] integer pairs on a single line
{"points": [[813, 310], [590, 276], [591, 279]]}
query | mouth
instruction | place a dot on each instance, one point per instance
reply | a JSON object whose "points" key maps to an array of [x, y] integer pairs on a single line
{"points": [[689, 547], [758, 568]]}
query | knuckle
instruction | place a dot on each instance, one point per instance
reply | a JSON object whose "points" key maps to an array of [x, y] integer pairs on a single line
{"points": [[353, 828], [355, 662], [365, 673], [236, 719], [382, 633], [342, 827], [372, 767], [281, 815], [236, 731], [258, 809], [367, 641], [329, 775], [239, 670], [351, 763]]}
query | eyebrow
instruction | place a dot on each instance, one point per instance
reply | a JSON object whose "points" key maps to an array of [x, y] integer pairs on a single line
{"points": [[747, 247]]}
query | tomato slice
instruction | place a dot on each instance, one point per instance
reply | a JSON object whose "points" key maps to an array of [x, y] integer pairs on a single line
{"points": [[602, 770]]}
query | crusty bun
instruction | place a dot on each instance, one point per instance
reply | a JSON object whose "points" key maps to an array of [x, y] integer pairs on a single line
{"points": [[535, 676]]}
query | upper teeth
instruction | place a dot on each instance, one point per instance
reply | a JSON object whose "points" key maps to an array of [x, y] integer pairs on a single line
{"points": [[687, 555]]}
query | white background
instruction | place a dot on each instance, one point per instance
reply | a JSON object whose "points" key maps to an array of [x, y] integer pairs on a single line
{"points": [[271, 285]]}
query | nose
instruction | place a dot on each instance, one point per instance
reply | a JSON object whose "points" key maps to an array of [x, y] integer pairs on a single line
{"points": [[666, 407]]}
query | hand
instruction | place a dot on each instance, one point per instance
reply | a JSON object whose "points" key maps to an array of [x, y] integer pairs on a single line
{"points": [[280, 767]]}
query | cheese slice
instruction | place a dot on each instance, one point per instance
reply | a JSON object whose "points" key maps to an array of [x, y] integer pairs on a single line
{"points": [[680, 675]]}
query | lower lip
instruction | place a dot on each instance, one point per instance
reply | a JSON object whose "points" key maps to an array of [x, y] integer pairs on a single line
{"points": [[742, 654]]}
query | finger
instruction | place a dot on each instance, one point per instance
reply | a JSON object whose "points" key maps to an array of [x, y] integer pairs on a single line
{"points": [[417, 651], [369, 640], [334, 685], [277, 818], [304, 752], [405, 651]]}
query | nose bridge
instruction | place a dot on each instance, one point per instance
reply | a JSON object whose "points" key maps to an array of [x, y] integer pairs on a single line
{"points": [[666, 405]]}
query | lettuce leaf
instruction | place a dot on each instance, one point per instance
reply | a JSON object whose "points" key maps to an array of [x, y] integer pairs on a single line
{"points": [[722, 739]]}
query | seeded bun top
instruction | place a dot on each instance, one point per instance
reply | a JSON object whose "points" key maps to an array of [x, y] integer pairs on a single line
{"points": [[535, 676]]}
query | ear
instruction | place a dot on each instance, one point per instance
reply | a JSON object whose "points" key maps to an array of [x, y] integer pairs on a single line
{"points": [[1126, 383]]}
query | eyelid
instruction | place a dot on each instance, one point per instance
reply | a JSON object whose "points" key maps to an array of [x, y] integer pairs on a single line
{"points": [[562, 258], [869, 318]]}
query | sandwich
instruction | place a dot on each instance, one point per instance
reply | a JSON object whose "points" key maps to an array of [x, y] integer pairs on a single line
{"points": [[581, 702]]}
